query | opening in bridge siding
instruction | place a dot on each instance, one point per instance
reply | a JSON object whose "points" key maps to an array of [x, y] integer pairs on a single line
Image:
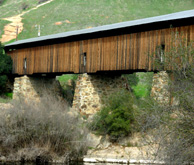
{"points": [[160, 57], [83, 62], [25, 65]]}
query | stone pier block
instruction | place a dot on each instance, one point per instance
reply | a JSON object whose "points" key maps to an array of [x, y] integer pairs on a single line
{"points": [[160, 87], [28, 88], [92, 91]]}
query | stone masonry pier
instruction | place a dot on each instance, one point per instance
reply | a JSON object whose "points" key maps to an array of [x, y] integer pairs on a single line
{"points": [[92, 91], [160, 88], [28, 88]]}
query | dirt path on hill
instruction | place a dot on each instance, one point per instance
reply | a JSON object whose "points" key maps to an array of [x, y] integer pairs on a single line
{"points": [[16, 21]]}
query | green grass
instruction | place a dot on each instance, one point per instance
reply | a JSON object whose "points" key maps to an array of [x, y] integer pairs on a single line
{"points": [[4, 100], [2, 24], [65, 78], [86, 13], [6, 97], [143, 87], [5, 43], [14, 7], [140, 91], [9, 95], [82, 14]]}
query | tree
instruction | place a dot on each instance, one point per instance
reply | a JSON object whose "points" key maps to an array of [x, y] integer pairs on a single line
{"points": [[116, 118], [5, 67], [171, 127]]}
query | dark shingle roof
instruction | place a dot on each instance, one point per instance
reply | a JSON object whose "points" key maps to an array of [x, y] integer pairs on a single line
{"points": [[157, 19]]}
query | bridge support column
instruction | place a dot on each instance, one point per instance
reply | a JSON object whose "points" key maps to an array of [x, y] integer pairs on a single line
{"points": [[160, 88], [92, 91], [32, 88]]}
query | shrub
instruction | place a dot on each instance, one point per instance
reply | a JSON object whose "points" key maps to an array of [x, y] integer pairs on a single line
{"points": [[47, 125], [140, 83], [117, 117], [150, 114], [41, 1], [1, 2], [3, 80], [168, 131], [24, 6], [5, 68], [68, 83], [171, 128]]}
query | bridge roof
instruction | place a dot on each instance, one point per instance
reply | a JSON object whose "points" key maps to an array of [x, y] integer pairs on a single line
{"points": [[104, 28]]}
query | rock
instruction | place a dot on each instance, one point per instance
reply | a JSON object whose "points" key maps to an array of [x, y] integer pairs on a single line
{"points": [[58, 23], [73, 113], [113, 152], [93, 140], [2, 158], [5, 106], [105, 143], [132, 141]]}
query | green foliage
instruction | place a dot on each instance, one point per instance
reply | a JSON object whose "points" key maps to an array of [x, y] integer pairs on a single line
{"points": [[9, 95], [143, 88], [3, 80], [5, 62], [117, 117], [64, 78], [68, 82], [140, 83], [5, 68], [140, 91], [132, 79]]}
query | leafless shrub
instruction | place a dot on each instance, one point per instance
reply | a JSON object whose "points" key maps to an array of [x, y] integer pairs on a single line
{"points": [[171, 142], [24, 6], [68, 89], [41, 1], [169, 130], [1, 2], [47, 125]]}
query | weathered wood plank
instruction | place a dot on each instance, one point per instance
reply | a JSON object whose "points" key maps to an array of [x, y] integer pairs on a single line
{"points": [[120, 52]]}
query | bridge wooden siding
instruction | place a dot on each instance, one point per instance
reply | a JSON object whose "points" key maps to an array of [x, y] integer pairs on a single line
{"points": [[122, 52], [122, 46]]}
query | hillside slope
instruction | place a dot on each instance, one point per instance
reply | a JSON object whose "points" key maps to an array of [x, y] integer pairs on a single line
{"points": [[66, 15]]}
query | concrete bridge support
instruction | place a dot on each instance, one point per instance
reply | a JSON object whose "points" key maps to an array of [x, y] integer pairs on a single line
{"points": [[92, 91], [28, 88]]}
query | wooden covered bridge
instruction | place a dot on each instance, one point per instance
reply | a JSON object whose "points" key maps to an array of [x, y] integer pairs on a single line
{"points": [[122, 46]]}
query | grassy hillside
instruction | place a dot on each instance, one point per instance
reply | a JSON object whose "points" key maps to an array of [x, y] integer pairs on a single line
{"points": [[2, 24], [14, 7], [80, 14]]}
